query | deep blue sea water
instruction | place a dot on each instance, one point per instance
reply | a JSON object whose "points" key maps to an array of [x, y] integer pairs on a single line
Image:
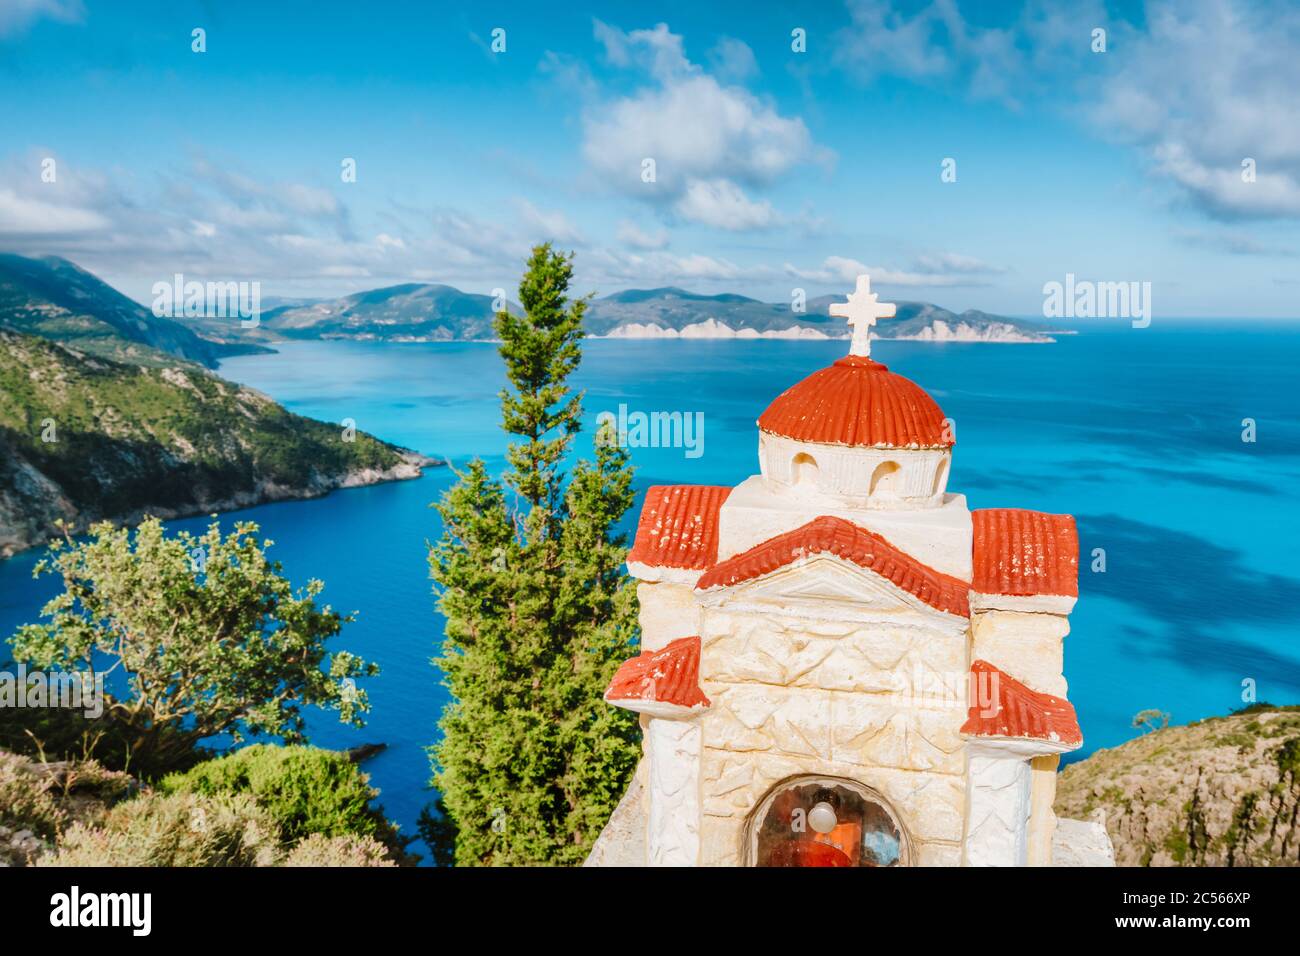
{"points": [[1135, 432]]}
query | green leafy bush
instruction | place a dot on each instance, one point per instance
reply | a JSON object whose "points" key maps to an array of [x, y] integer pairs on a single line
{"points": [[305, 790], [226, 645], [182, 829]]}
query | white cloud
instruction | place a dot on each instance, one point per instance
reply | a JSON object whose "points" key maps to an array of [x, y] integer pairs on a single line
{"points": [[309, 200], [605, 267], [838, 269], [733, 61], [34, 216], [215, 221], [1196, 85], [570, 76], [955, 262], [722, 204], [936, 44], [632, 235], [666, 57], [17, 15], [346, 272], [881, 41], [1234, 243], [548, 225], [1204, 87], [710, 142]]}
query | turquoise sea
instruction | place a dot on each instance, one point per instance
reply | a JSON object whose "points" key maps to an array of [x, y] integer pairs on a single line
{"points": [[1138, 433]]}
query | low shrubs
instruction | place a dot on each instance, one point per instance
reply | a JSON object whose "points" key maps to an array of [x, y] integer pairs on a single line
{"points": [[260, 806], [39, 801], [306, 791], [26, 800], [181, 829], [320, 850]]}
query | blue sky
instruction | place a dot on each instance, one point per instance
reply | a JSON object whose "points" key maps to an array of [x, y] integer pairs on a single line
{"points": [[775, 169]]}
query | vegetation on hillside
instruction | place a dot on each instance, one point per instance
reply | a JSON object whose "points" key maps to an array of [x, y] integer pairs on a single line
{"points": [[307, 792], [85, 438], [1219, 792], [40, 800], [539, 614], [262, 806], [55, 299], [197, 637]]}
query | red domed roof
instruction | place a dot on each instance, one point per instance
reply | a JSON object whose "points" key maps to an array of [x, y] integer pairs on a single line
{"points": [[858, 402]]}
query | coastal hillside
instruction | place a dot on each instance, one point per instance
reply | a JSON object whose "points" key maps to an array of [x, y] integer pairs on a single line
{"points": [[417, 312], [410, 312], [1220, 792], [84, 438], [55, 299]]}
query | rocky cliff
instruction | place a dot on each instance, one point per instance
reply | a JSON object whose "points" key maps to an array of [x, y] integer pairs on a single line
{"points": [[1219, 792]]}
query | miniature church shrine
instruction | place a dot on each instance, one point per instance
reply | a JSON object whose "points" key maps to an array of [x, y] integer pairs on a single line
{"points": [[842, 664]]}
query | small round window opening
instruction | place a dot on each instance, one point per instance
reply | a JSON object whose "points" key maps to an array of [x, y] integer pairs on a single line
{"points": [[824, 821]]}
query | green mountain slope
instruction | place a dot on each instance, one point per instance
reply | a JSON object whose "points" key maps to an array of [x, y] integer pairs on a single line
{"points": [[1219, 792], [55, 299], [84, 438]]}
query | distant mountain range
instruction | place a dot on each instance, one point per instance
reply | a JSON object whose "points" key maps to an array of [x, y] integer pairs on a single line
{"points": [[55, 298], [416, 312], [675, 313]]}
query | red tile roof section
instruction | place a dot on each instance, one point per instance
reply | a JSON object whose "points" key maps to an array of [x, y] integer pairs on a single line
{"points": [[858, 402], [1025, 553], [1004, 707], [670, 676], [679, 527], [844, 539]]}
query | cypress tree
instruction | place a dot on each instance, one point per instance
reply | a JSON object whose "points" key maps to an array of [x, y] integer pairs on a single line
{"points": [[539, 615]]}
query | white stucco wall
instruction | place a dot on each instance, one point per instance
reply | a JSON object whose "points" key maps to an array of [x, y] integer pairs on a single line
{"points": [[997, 834], [940, 537], [1026, 645], [668, 611], [673, 824], [849, 473]]}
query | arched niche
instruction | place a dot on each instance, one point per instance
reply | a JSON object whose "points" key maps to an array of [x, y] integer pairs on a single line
{"points": [[884, 480], [941, 476], [803, 470], [783, 829]]}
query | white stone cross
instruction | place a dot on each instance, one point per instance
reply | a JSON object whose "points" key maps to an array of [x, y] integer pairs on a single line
{"points": [[862, 310]]}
